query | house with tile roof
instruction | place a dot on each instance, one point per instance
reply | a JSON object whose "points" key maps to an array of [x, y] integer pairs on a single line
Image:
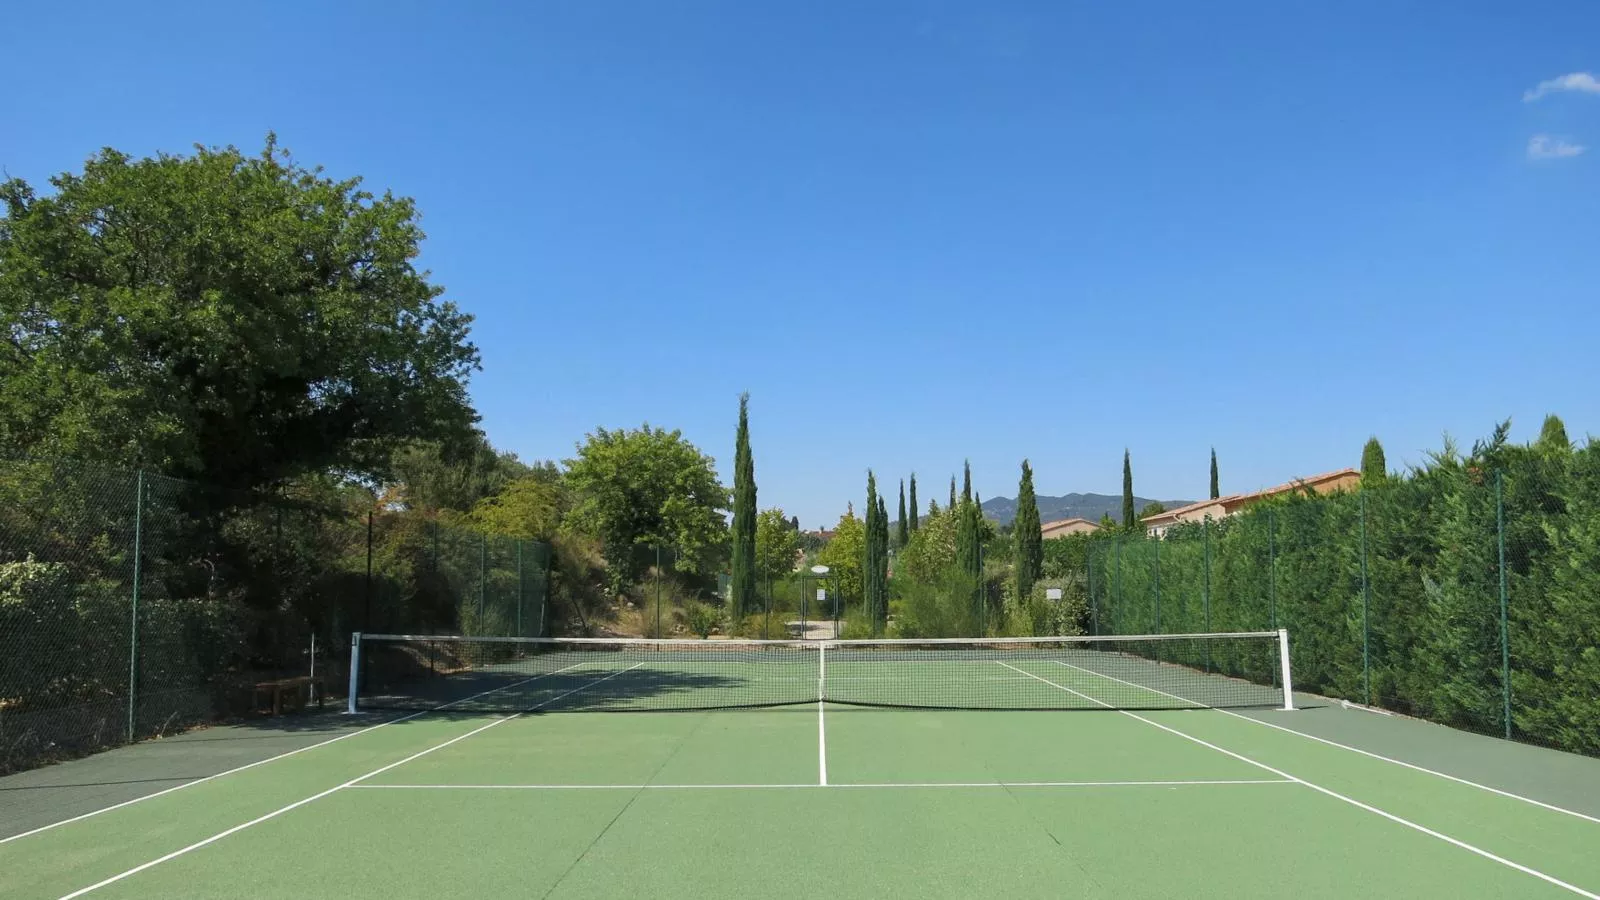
{"points": [[1222, 507]]}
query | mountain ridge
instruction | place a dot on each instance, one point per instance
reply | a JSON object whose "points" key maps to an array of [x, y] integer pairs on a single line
{"points": [[1070, 506]]}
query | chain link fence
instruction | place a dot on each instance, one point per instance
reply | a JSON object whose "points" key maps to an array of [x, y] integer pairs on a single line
{"points": [[133, 605], [1467, 593]]}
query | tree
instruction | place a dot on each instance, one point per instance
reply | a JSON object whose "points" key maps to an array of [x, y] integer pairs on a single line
{"points": [[648, 487], [844, 554], [742, 586], [915, 510], [1129, 520], [428, 476], [879, 603], [777, 545], [1027, 549], [529, 508], [932, 550], [903, 529], [1373, 467], [794, 523], [238, 320], [1153, 508], [1553, 435], [869, 551], [1216, 489], [966, 481], [952, 492]]}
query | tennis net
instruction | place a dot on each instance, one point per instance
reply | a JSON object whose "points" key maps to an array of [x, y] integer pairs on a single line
{"points": [[488, 674]]}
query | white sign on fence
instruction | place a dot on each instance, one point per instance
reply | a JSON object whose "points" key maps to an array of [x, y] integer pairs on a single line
{"points": [[1052, 593], [822, 595]]}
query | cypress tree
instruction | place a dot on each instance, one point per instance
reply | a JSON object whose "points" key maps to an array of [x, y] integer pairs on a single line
{"points": [[1026, 540], [1129, 518], [966, 539], [966, 481], [1216, 490], [915, 515], [1374, 468], [880, 605], [975, 513], [869, 564], [903, 530], [1553, 435], [952, 493], [794, 523], [742, 585]]}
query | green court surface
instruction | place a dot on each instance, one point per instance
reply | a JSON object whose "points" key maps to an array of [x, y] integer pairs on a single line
{"points": [[823, 800]]}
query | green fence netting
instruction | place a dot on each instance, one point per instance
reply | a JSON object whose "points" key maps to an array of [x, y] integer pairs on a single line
{"points": [[134, 605], [1467, 594]]}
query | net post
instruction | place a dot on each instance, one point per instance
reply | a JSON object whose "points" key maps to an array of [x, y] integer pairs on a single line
{"points": [[355, 672], [822, 671], [1283, 663]]}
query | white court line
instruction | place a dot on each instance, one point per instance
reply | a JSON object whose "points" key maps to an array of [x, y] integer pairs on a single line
{"points": [[880, 785], [261, 762], [318, 796], [1526, 870], [1448, 777]]}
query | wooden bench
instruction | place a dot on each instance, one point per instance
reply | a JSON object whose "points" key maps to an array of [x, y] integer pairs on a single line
{"points": [[291, 688]]}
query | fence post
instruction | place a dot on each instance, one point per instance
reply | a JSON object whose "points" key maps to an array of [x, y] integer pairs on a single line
{"points": [[520, 588], [658, 590], [366, 616], [483, 576], [1272, 569], [1117, 613], [1158, 585], [1505, 627], [544, 594], [1088, 583], [1205, 586], [1366, 611], [133, 618]]}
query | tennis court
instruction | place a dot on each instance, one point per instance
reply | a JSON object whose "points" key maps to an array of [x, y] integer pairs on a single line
{"points": [[1117, 768]]}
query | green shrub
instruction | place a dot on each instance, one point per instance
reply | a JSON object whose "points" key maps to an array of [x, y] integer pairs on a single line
{"points": [[703, 618], [761, 627], [941, 608], [856, 628]]}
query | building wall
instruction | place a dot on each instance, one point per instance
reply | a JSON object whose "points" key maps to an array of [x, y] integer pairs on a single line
{"points": [[1062, 529]]}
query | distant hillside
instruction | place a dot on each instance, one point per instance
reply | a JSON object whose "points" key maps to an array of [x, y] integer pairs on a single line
{"points": [[1070, 506]]}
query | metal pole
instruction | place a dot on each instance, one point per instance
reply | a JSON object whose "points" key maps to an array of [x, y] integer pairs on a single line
{"points": [[1272, 570], [133, 618], [1505, 602], [1205, 531], [1158, 586], [483, 570], [658, 590], [520, 587], [544, 594], [1117, 588], [355, 672], [1366, 610], [366, 616]]}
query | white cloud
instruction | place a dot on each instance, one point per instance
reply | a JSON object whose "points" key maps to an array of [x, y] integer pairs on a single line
{"points": [[1543, 146], [1582, 82]]}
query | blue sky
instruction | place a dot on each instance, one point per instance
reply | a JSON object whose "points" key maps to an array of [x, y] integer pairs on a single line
{"points": [[920, 232]]}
